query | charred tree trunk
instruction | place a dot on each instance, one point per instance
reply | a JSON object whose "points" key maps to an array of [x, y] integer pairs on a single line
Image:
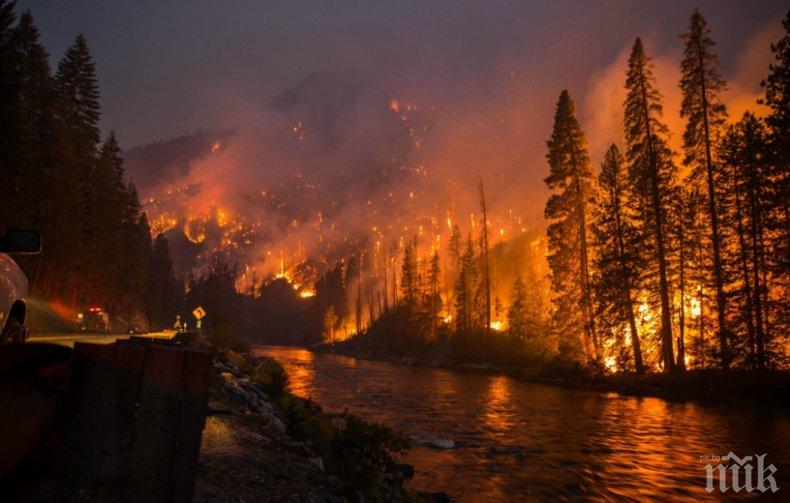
{"points": [[629, 303], [681, 358], [486, 270], [721, 299], [755, 231], [658, 216], [589, 319], [747, 288]]}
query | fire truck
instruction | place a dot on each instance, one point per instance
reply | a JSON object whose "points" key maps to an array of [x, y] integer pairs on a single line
{"points": [[94, 320]]}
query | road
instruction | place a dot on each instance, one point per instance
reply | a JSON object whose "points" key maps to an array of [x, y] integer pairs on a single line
{"points": [[68, 339]]}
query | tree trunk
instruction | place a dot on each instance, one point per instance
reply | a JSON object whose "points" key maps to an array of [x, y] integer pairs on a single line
{"points": [[681, 359], [589, 320], [666, 319], [754, 229], [721, 299], [629, 303], [745, 273], [486, 271]]}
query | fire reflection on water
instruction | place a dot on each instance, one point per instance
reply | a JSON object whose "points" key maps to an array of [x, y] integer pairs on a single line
{"points": [[515, 441], [498, 406]]}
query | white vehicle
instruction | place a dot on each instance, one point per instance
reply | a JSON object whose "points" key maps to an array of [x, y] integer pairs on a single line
{"points": [[13, 284]]}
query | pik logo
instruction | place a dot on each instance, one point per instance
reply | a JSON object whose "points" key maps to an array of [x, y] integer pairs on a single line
{"points": [[739, 474]]}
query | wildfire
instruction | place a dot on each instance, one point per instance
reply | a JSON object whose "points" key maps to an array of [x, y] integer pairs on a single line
{"points": [[696, 308], [306, 294], [194, 231], [644, 310], [497, 326], [222, 218]]}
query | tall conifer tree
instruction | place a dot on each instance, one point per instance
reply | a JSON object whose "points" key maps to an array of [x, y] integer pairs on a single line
{"points": [[616, 238], [652, 172], [701, 83], [570, 177], [777, 97]]}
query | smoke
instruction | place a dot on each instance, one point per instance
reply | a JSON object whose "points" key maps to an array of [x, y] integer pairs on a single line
{"points": [[602, 105], [349, 160]]}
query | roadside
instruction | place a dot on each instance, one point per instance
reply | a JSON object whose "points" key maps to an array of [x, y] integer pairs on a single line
{"points": [[261, 443], [69, 338]]}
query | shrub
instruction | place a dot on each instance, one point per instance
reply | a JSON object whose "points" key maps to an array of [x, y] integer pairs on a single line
{"points": [[270, 374], [362, 451]]}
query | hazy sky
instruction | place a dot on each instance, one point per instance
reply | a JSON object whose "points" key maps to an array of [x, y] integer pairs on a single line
{"points": [[166, 68]]}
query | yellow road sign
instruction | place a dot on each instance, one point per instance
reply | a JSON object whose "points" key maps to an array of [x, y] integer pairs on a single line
{"points": [[199, 312]]}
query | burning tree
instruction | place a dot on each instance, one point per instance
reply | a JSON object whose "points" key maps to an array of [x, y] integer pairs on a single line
{"points": [[617, 255], [571, 175], [652, 172], [701, 84]]}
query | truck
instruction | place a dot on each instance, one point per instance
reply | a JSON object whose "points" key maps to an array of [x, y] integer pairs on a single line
{"points": [[94, 320]]}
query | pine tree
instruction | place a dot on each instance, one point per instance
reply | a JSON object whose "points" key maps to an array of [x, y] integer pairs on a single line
{"points": [[570, 174], [652, 172], [163, 294], [36, 125], [78, 114], [455, 246], [136, 237], [746, 154], [465, 287], [433, 293], [777, 97], [518, 311], [617, 254], [484, 256], [701, 83], [698, 275], [78, 89], [681, 222], [10, 114], [741, 292], [409, 279]]}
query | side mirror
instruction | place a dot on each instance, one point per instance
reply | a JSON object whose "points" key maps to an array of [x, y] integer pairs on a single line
{"points": [[20, 241]]}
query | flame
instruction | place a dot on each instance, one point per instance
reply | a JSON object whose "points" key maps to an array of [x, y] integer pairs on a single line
{"points": [[194, 231], [497, 325], [306, 294], [696, 308], [644, 310], [222, 218]]}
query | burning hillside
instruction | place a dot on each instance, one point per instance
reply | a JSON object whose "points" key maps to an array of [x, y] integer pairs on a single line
{"points": [[327, 170]]}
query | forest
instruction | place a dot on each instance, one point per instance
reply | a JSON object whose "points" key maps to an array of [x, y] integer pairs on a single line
{"points": [[663, 261], [62, 179], [655, 260]]}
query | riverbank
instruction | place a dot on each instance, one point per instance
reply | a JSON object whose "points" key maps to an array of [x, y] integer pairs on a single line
{"points": [[766, 389], [261, 443]]}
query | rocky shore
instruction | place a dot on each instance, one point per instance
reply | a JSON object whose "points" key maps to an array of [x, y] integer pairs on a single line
{"points": [[254, 450]]}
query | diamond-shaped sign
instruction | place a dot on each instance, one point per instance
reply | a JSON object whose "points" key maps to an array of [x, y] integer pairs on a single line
{"points": [[199, 312]]}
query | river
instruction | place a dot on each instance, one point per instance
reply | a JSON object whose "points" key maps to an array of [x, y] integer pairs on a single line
{"points": [[492, 438]]}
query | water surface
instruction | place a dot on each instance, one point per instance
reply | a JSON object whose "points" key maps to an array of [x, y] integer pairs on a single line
{"points": [[515, 440]]}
